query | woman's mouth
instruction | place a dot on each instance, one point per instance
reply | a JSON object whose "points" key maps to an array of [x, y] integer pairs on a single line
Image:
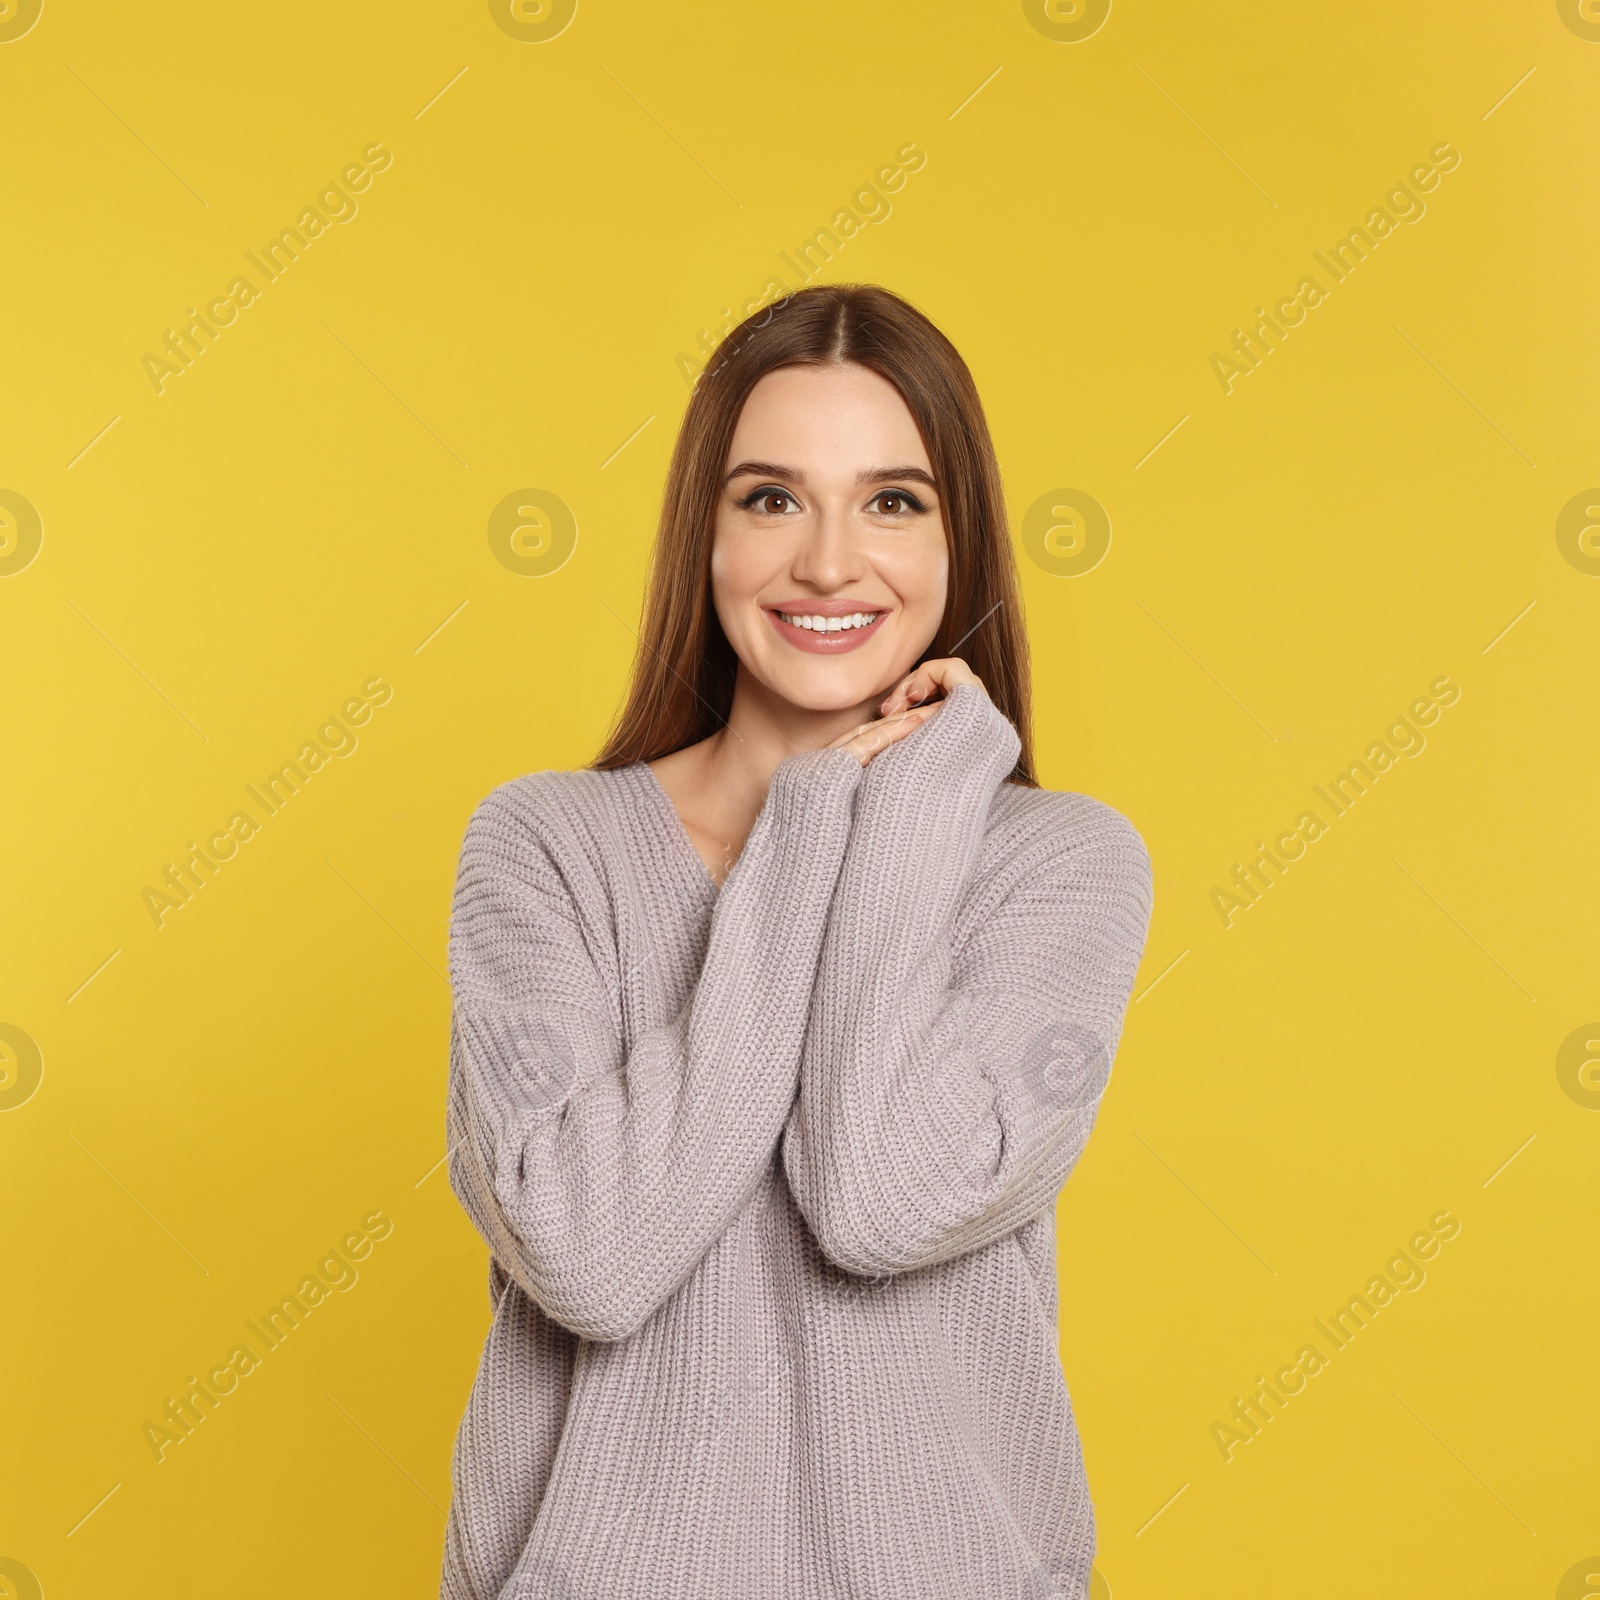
{"points": [[825, 633]]}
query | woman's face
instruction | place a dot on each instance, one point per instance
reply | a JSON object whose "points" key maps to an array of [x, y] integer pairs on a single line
{"points": [[829, 564]]}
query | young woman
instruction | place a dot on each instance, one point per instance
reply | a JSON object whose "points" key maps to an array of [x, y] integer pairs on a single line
{"points": [[778, 1031]]}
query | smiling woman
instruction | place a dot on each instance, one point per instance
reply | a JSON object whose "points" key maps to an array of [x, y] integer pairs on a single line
{"points": [[857, 389], [777, 1032]]}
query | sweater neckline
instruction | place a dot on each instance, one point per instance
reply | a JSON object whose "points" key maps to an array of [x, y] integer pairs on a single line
{"points": [[678, 842]]}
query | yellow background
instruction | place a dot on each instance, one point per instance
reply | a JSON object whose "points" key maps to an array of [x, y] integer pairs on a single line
{"points": [[1369, 1044]]}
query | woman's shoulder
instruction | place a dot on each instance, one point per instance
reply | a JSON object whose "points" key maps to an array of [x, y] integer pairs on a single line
{"points": [[560, 809], [1034, 827]]}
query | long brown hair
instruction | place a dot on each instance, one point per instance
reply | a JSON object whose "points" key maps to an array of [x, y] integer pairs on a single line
{"points": [[683, 672]]}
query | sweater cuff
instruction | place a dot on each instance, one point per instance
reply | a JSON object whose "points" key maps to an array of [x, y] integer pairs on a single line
{"points": [[968, 734], [805, 783]]}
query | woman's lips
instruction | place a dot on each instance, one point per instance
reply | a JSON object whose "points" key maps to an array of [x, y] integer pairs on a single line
{"points": [[818, 643]]}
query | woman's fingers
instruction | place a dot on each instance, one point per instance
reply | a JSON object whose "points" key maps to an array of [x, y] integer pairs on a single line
{"points": [[871, 738], [931, 681], [912, 702]]}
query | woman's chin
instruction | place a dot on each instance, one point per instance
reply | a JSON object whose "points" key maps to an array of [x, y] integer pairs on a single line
{"points": [[831, 686]]}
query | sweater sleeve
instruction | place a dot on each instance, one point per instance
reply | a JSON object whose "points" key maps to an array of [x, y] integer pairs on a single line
{"points": [[599, 1175], [946, 1093]]}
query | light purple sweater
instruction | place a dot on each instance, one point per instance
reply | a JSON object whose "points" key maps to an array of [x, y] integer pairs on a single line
{"points": [[768, 1177]]}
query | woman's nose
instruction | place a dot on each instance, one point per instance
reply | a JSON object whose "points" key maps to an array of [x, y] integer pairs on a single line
{"points": [[828, 557]]}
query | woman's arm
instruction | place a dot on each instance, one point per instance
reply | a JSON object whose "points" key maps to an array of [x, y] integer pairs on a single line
{"points": [[599, 1178], [946, 1094]]}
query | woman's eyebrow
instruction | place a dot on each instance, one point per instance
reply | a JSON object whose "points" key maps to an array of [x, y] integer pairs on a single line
{"points": [[900, 474], [765, 469]]}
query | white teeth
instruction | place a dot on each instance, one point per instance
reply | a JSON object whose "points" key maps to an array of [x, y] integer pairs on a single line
{"points": [[818, 624]]}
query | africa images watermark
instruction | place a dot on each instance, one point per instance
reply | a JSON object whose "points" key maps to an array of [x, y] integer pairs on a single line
{"points": [[869, 202], [1401, 738], [336, 737], [1405, 1272], [336, 1273], [1252, 345], [334, 203]]}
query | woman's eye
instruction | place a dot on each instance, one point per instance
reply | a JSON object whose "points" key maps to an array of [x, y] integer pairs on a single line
{"points": [[894, 503], [769, 502]]}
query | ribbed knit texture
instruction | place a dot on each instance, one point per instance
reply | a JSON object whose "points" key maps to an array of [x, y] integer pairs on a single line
{"points": [[768, 1177]]}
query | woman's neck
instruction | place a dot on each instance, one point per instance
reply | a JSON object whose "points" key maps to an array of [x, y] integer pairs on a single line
{"points": [[719, 785]]}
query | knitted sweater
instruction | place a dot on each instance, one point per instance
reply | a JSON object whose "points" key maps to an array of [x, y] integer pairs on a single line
{"points": [[768, 1177]]}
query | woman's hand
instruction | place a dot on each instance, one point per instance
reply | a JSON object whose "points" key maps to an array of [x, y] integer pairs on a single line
{"points": [[929, 684], [911, 704]]}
